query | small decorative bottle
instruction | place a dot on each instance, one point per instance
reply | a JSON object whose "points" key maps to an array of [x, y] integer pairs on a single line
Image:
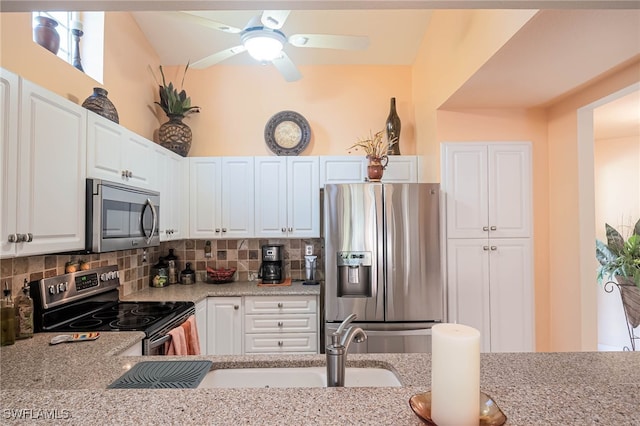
{"points": [[188, 275], [159, 275], [172, 260], [7, 318], [393, 130], [24, 313]]}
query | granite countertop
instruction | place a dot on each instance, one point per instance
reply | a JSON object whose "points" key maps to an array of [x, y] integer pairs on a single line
{"points": [[68, 382], [197, 292]]}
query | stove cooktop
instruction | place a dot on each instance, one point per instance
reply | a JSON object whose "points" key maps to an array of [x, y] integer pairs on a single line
{"points": [[127, 316]]}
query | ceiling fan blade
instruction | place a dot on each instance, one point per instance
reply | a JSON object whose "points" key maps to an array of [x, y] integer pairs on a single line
{"points": [[274, 18], [287, 68], [328, 41], [205, 22], [218, 57]]}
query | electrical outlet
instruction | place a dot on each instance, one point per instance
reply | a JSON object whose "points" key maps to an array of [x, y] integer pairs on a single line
{"points": [[308, 250]]}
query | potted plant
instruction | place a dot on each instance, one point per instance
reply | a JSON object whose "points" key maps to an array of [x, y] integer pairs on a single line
{"points": [[375, 149], [174, 134], [619, 258], [620, 261]]}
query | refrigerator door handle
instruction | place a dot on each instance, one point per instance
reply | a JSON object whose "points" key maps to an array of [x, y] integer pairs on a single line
{"points": [[385, 333]]}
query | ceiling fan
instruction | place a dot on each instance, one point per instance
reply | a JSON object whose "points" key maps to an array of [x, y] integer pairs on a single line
{"points": [[264, 40]]}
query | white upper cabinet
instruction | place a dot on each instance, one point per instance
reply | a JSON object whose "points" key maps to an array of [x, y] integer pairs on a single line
{"points": [[221, 191], [116, 154], [401, 169], [353, 169], [342, 169], [172, 184], [488, 190], [9, 109], [45, 214], [287, 194]]}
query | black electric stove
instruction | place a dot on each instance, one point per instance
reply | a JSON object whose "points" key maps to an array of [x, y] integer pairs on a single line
{"points": [[86, 301]]}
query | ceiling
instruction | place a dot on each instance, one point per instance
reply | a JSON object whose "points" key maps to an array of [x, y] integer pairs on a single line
{"points": [[394, 35]]}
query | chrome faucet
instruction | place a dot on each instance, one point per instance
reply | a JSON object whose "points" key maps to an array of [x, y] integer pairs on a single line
{"points": [[337, 350]]}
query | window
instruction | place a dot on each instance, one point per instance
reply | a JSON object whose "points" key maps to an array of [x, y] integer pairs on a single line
{"points": [[91, 45], [64, 19]]}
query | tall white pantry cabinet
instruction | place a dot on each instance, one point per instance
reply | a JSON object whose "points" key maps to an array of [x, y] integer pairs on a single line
{"points": [[488, 192]]}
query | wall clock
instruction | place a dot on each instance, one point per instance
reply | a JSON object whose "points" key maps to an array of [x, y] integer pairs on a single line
{"points": [[287, 133]]}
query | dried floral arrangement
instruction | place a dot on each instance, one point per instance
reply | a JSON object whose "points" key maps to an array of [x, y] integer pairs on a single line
{"points": [[374, 146], [172, 101]]}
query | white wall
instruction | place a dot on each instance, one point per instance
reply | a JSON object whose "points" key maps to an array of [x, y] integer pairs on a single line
{"points": [[617, 196]]}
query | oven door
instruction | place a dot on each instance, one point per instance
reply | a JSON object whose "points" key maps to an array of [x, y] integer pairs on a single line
{"points": [[155, 346], [121, 217], [157, 343]]}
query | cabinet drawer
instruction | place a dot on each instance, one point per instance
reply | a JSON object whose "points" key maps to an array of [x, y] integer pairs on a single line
{"points": [[279, 343], [280, 304], [298, 323]]}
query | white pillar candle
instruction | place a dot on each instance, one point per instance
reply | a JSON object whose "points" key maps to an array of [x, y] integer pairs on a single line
{"points": [[76, 25], [455, 375]]}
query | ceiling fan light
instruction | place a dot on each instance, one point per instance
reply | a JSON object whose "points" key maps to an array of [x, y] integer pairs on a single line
{"points": [[263, 47]]}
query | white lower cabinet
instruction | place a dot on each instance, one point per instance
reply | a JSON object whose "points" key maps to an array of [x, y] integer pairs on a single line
{"points": [[281, 324], [133, 350], [224, 325], [490, 289]]}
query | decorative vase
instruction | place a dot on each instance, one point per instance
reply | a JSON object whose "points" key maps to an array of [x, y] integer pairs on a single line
{"points": [[376, 167], [101, 105], [393, 130], [46, 35], [175, 135]]}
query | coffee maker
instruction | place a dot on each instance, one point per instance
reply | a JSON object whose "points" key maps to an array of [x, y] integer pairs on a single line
{"points": [[272, 267]]}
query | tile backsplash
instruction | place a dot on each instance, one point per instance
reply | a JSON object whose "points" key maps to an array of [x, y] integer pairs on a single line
{"points": [[134, 265]]}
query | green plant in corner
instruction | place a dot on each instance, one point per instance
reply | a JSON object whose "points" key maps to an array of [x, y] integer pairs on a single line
{"points": [[172, 101], [619, 257]]}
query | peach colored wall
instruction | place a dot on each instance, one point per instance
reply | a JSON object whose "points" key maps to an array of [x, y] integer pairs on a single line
{"points": [[515, 125], [126, 76], [341, 104], [456, 44], [571, 269]]}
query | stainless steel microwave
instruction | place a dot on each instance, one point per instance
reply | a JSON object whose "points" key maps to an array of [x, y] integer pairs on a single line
{"points": [[120, 217]]}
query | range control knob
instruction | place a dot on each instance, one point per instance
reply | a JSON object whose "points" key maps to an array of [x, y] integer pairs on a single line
{"points": [[103, 277], [52, 289]]}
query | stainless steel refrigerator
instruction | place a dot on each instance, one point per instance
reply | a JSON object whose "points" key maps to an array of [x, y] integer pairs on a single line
{"points": [[382, 263]]}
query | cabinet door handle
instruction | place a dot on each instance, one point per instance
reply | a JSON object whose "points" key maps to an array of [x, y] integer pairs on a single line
{"points": [[12, 238], [130, 174], [29, 237], [280, 324], [224, 229], [217, 229], [280, 343], [494, 248], [290, 229], [124, 173], [485, 228], [279, 304], [236, 307], [493, 228], [485, 248], [284, 229]]}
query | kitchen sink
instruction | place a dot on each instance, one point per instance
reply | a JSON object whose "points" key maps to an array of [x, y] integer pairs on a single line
{"points": [[295, 377]]}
